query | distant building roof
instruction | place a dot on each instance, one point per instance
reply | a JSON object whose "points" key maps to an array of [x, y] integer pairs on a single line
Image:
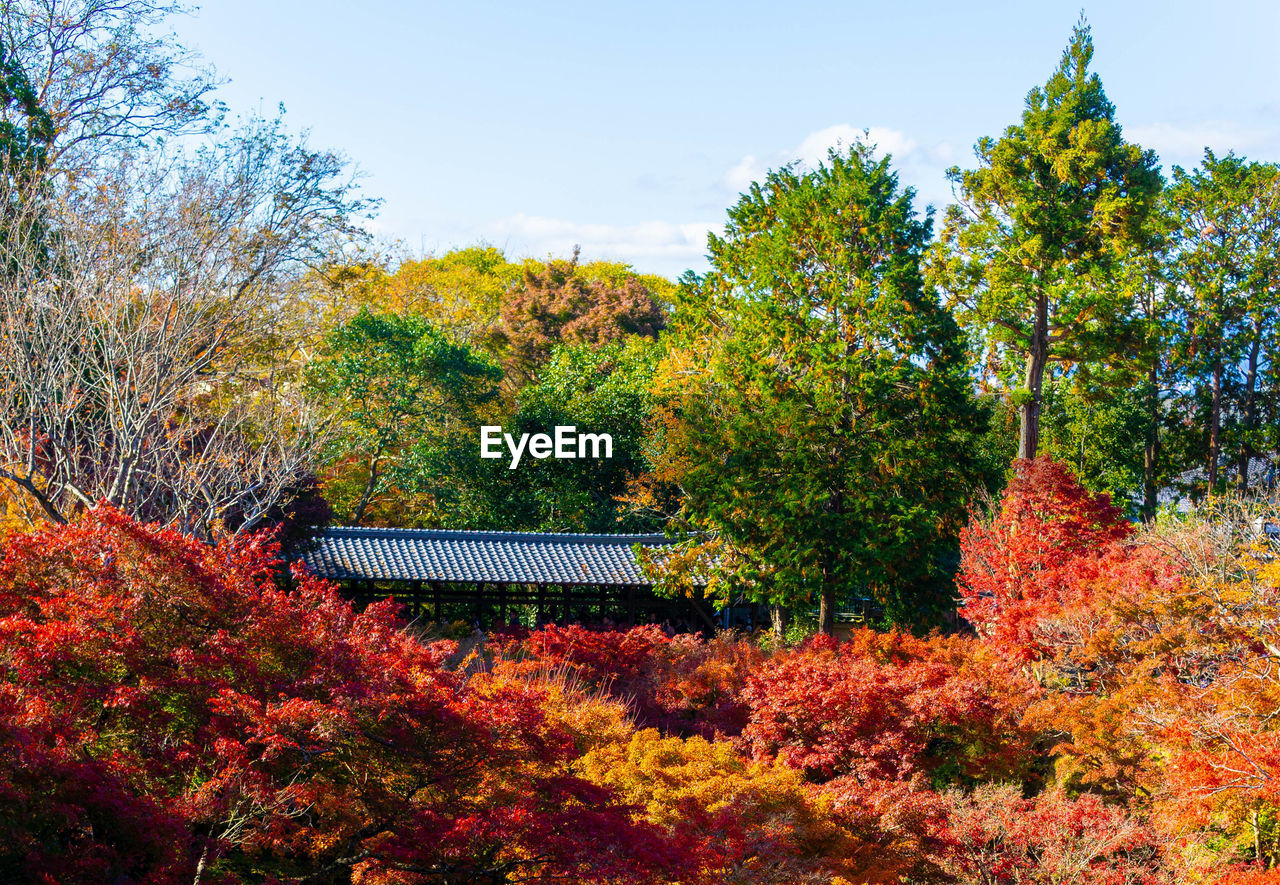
{"points": [[373, 554], [1263, 473]]}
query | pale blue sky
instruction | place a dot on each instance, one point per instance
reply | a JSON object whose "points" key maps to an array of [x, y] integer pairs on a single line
{"points": [[630, 128]]}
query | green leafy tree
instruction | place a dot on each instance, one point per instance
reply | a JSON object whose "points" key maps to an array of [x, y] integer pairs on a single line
{"points": [[1150, 373], [1100, 433], [398, 382], [26, 135], [26, 128], [460, 292], [822, 428], [513, 310], [1226, 263], [597, 390], [1027, 254]]}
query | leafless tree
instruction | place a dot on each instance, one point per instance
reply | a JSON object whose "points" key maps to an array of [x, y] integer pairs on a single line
{"points": [[108, 72], [141, 359]]}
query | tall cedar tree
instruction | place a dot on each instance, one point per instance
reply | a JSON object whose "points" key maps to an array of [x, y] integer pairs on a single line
{"points": [[823, 419], [1227, 265], [1041, 223], [26, 129], [26, 133]]}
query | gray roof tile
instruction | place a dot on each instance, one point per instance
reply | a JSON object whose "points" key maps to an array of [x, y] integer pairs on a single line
{"points": [[477, 557]]}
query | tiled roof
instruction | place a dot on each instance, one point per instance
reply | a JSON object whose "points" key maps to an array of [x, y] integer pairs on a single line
{"points": [[476, 557]]}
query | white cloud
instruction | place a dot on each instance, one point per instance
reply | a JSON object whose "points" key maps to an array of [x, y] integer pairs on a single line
{"points": [[661, 246], [942, 154], [1184, 143], [922, 166], [816, 145], [749, 169]]}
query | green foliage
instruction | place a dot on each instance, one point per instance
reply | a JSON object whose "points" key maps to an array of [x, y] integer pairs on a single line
{"points": [[1054, 205], [998, 445], [478, 295], [461, 291], [597, 390], [1226, 262], [1099, 433], [26, 131], [26, 134], [398, 382], [821, 421], [604, 390]]}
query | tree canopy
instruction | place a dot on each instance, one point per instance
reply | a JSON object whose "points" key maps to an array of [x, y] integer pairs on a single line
{"points": [[1054, 205], [820, 417]]}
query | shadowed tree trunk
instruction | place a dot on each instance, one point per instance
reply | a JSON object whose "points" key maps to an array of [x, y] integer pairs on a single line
{"points": [[1250, 406], [1037, 360], [1215, 426]]}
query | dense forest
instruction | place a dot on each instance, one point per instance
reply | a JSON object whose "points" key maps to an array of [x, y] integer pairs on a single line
{"points": [[1031, 437]]}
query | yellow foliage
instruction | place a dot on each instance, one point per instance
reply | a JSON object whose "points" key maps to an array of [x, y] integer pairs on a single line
{"points": [[18, 512], [760, 820], [665, 774], [593, 719]]}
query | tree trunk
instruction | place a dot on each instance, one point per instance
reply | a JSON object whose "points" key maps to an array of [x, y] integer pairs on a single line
{"points": [[1250, 407], [1215, 427], [1257, 837], [357, 516], [1037, 360], [779, 623], [45, 502], [1151, 451], [827, 610]]}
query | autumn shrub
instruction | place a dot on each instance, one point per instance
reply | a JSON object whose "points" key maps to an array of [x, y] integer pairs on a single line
{"points": [[994, 836], [589, 716], [897, 826], [598, 657], [1026, 561], [681, 685], [747, 822], [1167, 693], [886, 707], [1250, 876], [66, 816], [179, 716]]}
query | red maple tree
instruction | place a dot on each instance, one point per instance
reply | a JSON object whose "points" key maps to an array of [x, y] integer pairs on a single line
{"points": [[177, 714]]}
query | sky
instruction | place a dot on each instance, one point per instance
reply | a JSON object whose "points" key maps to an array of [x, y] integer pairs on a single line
{"points": [[630, 128]]}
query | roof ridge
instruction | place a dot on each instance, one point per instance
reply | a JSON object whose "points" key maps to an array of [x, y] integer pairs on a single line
{"points": [[380, 531]]}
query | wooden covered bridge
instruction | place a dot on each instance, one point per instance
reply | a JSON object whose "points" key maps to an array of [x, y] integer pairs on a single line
{"points": [[488, 578]]}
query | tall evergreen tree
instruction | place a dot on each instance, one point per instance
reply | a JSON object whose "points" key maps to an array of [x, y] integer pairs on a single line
{"points": [[26, 133], [26, 129], [1227, 267], [1052, 206], [823, 427]]}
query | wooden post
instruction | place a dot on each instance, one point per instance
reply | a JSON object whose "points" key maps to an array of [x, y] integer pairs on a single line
{"points": [[542, 597], [415, 589]]}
